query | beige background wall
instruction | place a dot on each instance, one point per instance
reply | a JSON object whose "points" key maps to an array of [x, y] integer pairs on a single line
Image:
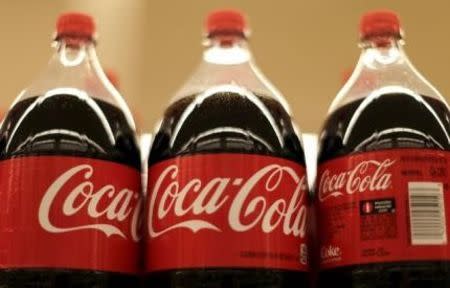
{"points": [[302, 46]]}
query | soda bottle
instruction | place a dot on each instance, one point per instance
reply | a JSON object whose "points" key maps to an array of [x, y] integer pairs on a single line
{"points": [[383, 181], [69, 174], [228, 198]]}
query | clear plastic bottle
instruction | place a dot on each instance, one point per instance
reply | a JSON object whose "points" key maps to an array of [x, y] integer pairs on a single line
{"points": [[69, 174], [226, 122], [383, 160]]}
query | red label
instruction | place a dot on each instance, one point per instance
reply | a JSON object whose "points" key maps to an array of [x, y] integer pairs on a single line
{"points": [[227, 210], [69, 212], [384, 206]]}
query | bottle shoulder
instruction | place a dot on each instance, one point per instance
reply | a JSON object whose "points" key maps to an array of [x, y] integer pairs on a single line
{"points": [[243, 74], [68, 124], [226, 119], [387, 121]]}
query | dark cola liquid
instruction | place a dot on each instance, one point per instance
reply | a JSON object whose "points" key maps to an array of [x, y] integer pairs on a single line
{"points": [[70, 126], [226, 122], [379, 127]]}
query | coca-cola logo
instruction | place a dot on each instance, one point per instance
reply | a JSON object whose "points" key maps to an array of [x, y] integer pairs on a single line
{"points": [[370, 175], [244, 203], [107, 209]]}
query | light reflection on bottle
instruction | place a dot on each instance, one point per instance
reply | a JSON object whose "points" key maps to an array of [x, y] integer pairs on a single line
{"points": [[385, 92], [211, 92]]}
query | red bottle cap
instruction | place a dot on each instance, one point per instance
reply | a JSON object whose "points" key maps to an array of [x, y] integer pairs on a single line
{"points": [[113, 78], [226, 21], [75, 24], [379, 23]]}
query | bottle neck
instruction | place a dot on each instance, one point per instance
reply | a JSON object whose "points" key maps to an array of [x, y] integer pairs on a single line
{"points": [[226, 60], [380, 52], [383, 68], [226, 50], [77, 59], [74, 66], [75, 52]]}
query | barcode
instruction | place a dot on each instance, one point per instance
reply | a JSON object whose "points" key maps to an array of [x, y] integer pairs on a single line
{"points": [[427, 213]]}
